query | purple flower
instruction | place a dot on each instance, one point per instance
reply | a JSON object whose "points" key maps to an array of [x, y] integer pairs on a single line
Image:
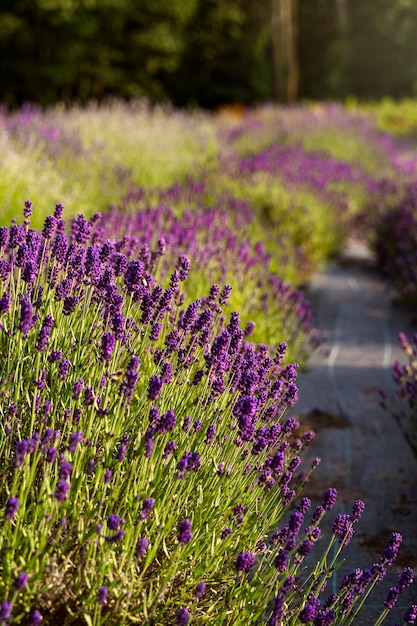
{"points": [[116, 538], [411, 614], [147, 507], [35, 618], [169, 449], [200, 590], [183, 616], [63, 369], [357, 510], [74, 440], [51, 453], [70, 304], [5, 611], [22, 448], [324, 617], [184, 531], [107, 476], [26, 315], [189, 462], [49, 226], [405, 579], [5, 302], [20, 581], [65, 470], [4, 232], [61, 490], [17, 235], [108, 341], [391, 550], [114, 521], [244, 561], [128, 384], [80, 229], [280, 561], [329, 499], [342, 528], [309, 611], [155, 386], [225, 293], [141, 547], [102, 595], [133, 275], [166, 422], [392, 597]]}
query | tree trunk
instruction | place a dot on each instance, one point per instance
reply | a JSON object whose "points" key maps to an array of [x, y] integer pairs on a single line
{"points": [[284, 49]]}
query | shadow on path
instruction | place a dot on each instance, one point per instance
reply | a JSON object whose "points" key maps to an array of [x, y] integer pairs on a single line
{"points": [[364, 454]]}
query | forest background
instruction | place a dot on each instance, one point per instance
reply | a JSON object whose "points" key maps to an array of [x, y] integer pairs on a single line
{"points": [[206, 53]]}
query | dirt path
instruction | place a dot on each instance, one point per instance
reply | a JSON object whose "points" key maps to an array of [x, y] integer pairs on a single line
{"points": [[364, 454]]}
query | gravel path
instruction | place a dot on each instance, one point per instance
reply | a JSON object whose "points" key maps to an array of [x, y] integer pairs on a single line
{"points": [[363, 452]]}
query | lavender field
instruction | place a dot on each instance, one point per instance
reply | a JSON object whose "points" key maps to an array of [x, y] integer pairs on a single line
{"points": [[152, 323]]}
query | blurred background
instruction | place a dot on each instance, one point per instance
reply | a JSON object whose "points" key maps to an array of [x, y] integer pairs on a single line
{"points": [[206, 53]]}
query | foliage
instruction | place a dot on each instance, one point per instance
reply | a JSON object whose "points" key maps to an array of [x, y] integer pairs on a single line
{"points": [[403, 404], [149, 471]]}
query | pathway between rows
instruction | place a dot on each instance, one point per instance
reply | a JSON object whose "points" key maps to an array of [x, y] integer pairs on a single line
{"points": [[364, 454]]}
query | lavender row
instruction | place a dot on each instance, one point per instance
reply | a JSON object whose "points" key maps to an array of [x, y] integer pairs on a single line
{"points": [[150, 470]]}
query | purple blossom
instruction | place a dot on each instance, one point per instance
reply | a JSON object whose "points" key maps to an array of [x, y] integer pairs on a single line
{"points": [[357, 510], [167, 422], [280, 561], [63, 369], [107, 476], [77, 388], [51, 453], [133, 276], [244, 561], [147, 506], [108, 342], [391, 550], [200, 590], [115, 538], [405, 579], [169, 449], [342, 528], [5, 302], [310, 610], [61, 490], [65, 469], [26, 315], [141, 547], [329, 499], [20, 581], [392, 597], [35, 618], [184, 531], [49, 226], [16, 235], [74, 440], [102, 595], [155, 386], [114, 521], [183, 616], [411, 614], [80, 229], [189, 462], [5, 611], [70, 304]]}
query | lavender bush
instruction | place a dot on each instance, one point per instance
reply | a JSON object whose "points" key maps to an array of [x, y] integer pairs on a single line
{"points": [[220, 241], [403, 404], [150, 473]]}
